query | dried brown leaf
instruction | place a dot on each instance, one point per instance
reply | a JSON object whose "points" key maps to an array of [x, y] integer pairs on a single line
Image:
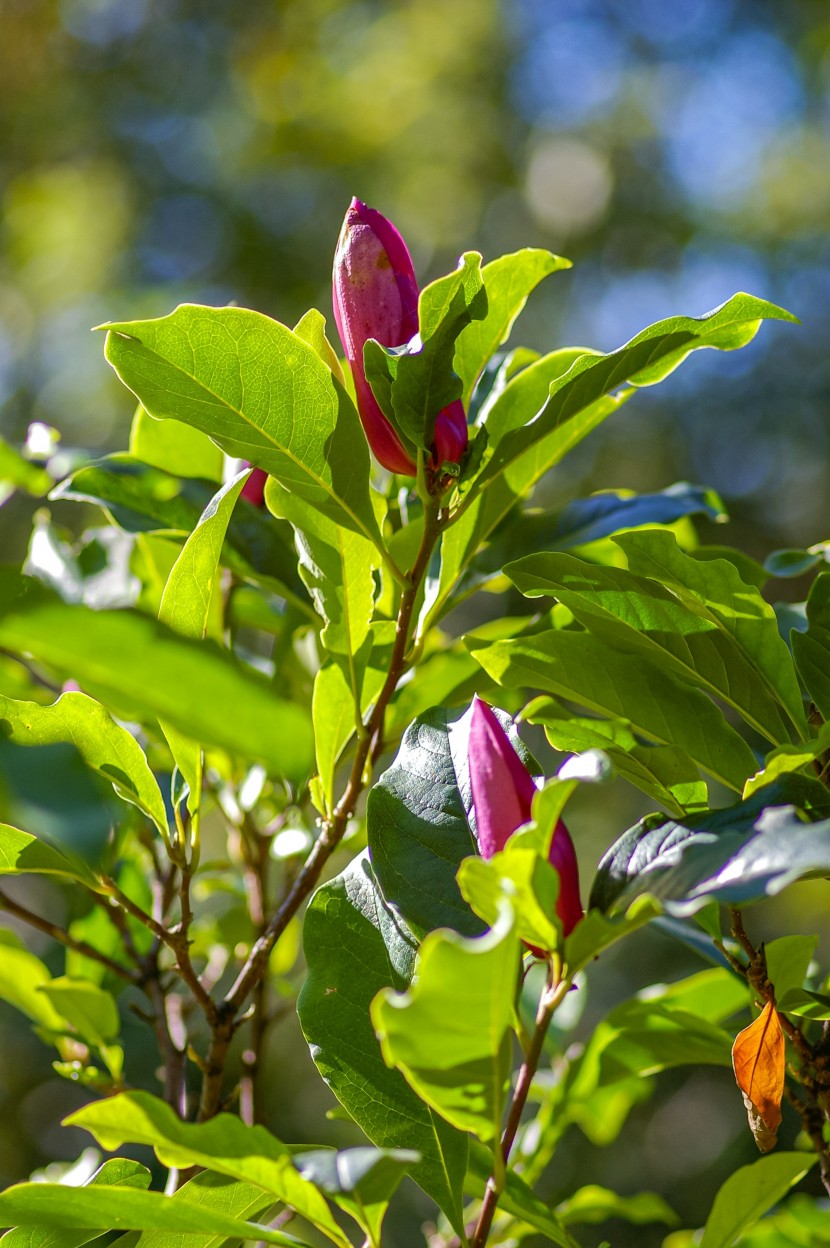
{"points": [[758, 1060]]}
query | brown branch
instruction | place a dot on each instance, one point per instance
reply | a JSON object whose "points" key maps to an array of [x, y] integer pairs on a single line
{"points": [[60, 934], [552, 996], [369, 748]]}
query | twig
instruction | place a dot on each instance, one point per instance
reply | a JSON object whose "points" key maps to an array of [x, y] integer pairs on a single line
{"points": [[60, 934]]}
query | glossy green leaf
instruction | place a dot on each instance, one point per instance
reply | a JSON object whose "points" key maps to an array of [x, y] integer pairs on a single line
{"points": [[609, 682], [647, 359], [450, 1032], [260, 392], [715, 587], [103, 744], [593, 1204], [125, 655], [174, 447], [53, 1205], [734, 855], [185, 607], [348, 926], [508, 281], [720, 635], [664, 772], [360, 1180], [22, 854], [749, 1193], [224, 1144], [118, 1172], [415, 382], [209, 1191], [144, 499], [417, 824]]}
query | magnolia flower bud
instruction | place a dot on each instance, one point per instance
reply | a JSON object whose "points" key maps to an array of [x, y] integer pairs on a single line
{"points": [[376, 296], [254, 488], [503, 792]]}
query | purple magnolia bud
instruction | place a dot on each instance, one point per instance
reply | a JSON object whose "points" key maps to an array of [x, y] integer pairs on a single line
{"points": [[503, 790], [376, 296], [254, 487]]}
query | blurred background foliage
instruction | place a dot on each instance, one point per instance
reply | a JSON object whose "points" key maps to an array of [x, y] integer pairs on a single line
{"points": [[158, 151]]}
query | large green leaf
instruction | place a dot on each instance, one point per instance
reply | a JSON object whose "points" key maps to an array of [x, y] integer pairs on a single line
{"points": [[260, 392], [355, 945], [508, 281], [112, 1208], [224, 1144], [719, 635], [185, 607], [649, 357], [734, 856], [118, 1172], [450, 1032], [174, 447], [533, 892], [750, 1192], [210, 1191], [578, 666], [158, 673], [143, 499], [22, 854], [103, 744], [417, 824]]}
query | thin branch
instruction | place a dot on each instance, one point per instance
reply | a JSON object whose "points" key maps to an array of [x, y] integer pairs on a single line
{"points": [[60, 934]]}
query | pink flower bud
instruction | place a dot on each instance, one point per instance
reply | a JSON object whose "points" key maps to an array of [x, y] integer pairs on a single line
{"points": [[503, 790], [254, 487], [376, 296]]}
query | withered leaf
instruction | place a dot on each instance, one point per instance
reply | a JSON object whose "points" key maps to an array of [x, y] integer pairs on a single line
{"points": [[759, 1064]]}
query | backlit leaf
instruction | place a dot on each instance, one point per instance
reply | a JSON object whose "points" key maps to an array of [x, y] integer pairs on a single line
{"points": [[759, 1064]]}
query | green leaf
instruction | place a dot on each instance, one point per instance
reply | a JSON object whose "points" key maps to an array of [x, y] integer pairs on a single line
{"points": [[647, 359], [788, 960], [662, 771], [18, 473], [417, 824], [311, 327], [22, 976], [804, 1003], [450, 1032], [419, 380], [125, 655], [53, 1205], [224, 1144], [595, 1204], [144, 499], [533, 892], [89, 1010], [789, 758], [103, 744], [360, 1180], [595, 932], [508, 281], [786, 563], [175, 448], [750, 1192], [185, 607], [333, 713], [118, 1172], [720, 635], [578, 666], [22, 854], [644, 1037], [260, 392], [735, 606], [349, 926], [734, 855], [210, 1191]]}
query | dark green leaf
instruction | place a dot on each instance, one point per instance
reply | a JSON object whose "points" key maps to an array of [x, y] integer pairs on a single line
{"points": [[735, 855], [355, 946], [749, 1193]]}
